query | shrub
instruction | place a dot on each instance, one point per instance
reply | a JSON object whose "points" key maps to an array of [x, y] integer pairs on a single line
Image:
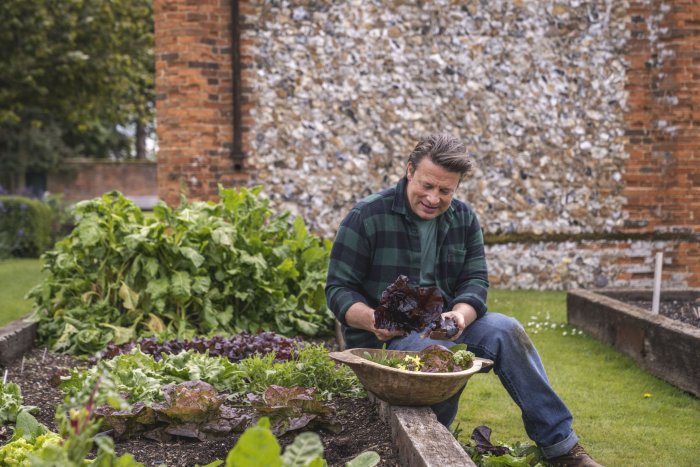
{"points": [[25, 227]]}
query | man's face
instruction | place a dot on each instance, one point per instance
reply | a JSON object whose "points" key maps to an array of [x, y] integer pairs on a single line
{"points": [[430, 188]]}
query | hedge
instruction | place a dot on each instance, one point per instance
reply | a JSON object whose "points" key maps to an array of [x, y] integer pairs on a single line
{"points": [[25, 227]]}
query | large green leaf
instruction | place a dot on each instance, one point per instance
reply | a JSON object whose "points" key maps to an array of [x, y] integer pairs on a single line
{"points": [[305, 448], [366, 459], [130, 299], [158, 287], [192, 255], [256, 447], [201, 284], [89, 232], [180, 286]]}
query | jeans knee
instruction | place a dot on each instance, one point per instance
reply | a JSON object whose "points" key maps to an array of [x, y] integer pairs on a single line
{"points": [[509, 332], [518, 336]]}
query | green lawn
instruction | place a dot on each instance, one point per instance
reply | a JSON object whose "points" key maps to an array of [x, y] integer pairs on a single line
{"points": [[17, 277], [623, 415]]}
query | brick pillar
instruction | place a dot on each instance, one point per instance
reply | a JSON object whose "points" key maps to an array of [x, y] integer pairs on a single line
{"points": [[662, 173], [663, 122], [194, 99]]}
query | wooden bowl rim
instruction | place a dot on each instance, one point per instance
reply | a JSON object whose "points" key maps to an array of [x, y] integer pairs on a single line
{"points": [[351, 358]]}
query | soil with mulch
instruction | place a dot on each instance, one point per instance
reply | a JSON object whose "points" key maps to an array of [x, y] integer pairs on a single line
{"points": [[363, 427], [686, 311]]}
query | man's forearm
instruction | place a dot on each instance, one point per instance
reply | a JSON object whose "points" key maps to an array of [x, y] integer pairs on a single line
{"points": [[467, 311], [360, 316]]}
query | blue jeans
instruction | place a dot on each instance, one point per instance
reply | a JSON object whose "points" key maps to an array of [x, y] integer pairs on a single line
{"points": [[516, 362]]}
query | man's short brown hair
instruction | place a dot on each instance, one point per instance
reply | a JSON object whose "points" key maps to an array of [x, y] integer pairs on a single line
{"points": [[444, 150]]}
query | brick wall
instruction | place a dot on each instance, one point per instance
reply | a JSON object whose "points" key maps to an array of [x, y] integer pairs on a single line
{"points": [[80, 179], [662, 173], [194, 99]]}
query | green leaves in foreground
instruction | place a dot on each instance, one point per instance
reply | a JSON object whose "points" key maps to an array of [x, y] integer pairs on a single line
{"points": [[198, 269], [258, 446]]}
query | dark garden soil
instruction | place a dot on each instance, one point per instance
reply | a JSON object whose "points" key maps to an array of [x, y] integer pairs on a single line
{"points": [[363, 428], [686, 311]]}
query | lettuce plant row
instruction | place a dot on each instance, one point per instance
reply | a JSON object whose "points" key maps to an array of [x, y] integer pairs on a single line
{"points": [[235, 348]]}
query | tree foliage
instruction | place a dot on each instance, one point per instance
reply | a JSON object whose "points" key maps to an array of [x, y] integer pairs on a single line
{"points": [[71, 72]]}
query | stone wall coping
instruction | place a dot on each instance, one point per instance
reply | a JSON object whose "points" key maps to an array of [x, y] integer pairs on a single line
{"points": [[16, 338], [421, 440]]}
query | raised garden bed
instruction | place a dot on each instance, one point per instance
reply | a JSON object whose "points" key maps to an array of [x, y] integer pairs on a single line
{"points": [[667, 345], [409, 436], [364, 427]]}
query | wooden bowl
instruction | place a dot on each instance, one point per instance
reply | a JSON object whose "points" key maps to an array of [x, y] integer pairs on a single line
{"points": [[403, 387]]}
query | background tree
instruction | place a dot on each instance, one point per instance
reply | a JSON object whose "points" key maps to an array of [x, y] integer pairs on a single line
{"points": [[76, 79]]}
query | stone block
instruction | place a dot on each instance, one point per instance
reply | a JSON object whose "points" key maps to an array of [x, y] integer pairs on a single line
{"points": [[421, 440], [16, 338]]}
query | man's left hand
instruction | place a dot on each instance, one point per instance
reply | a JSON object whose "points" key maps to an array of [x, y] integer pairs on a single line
{"points": [[463, 315]]}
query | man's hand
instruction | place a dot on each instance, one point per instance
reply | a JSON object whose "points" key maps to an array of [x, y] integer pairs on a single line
{"points": [[463, 315], [361, 316]]}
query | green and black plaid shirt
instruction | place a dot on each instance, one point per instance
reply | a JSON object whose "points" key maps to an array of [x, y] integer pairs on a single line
{"points": [[378, 241]]}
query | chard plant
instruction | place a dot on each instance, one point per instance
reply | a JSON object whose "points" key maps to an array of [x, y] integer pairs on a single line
{"points": [[195, 270]]}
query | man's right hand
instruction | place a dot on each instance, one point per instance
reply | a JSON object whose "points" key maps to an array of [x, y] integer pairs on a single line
{"points": [[361, 316]]}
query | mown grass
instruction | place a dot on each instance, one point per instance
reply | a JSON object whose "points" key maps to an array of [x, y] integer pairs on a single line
{"points": [[17, 277], [623, 415]]}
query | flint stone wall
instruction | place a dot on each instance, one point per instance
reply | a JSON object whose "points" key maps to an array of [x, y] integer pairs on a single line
{"points": [[587, 264], [535, 89], [580, 116]]}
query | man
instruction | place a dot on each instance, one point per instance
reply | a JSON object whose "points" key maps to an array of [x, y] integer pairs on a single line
{"points": [[418, 229]]}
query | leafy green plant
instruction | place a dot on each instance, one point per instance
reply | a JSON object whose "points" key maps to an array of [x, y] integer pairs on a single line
{"points": [[11, 403], [258, 446], [34, 445], [142, 378], [193, 409], [198, 269], [486, 454], [30, 436], [293, 409]]}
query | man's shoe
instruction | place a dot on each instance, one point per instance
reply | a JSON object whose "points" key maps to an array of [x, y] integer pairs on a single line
{"points": [[577, 457]]}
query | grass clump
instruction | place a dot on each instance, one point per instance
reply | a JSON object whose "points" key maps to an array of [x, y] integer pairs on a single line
{"points": [[17, 277]]}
